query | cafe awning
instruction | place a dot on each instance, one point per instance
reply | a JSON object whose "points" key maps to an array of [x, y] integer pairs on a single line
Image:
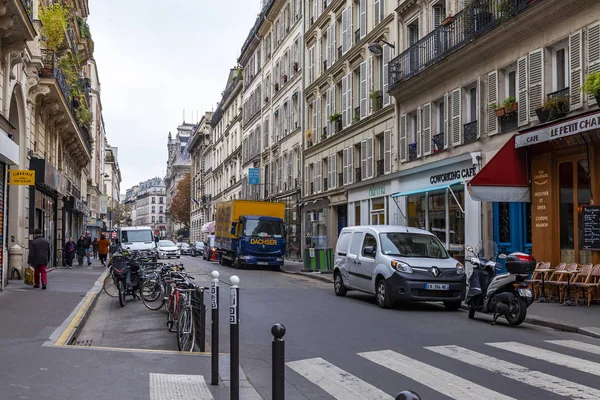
{"points": [[209, 227], [504, 178], [426, 189]]}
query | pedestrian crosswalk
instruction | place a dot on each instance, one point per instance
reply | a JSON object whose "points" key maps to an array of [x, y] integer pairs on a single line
{"points": [[341, 384]]}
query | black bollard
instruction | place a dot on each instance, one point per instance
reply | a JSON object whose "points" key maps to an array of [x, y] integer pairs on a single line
{"points": [[214, 304], [278, 378], [408, 395], [234, 335]]}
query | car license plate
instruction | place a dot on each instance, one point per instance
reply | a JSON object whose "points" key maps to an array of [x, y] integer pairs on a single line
{"points": [[437, 286], [263, 263], [525, 293]]}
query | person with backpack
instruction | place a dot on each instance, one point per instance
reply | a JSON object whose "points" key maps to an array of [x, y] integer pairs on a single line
{"points": [[38, 258], [70, 248], [81, 250]]}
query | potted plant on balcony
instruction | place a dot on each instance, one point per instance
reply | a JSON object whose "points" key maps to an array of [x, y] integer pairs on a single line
{"points": [[592, 85], [334, 117], [448, 20], [553, 108], [309, 138], [54, 25], [510, 104]]}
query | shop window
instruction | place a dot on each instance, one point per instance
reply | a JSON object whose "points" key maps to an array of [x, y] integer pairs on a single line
{"points": [[369, 241], [357, 220], [416, 211], [378, 211]]}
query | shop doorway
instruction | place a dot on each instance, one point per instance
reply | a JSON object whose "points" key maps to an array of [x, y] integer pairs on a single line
{"points": [[512, 228], [342, 212]]}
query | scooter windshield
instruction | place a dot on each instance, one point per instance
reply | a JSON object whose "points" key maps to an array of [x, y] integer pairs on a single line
{"points": [[487, 249]]}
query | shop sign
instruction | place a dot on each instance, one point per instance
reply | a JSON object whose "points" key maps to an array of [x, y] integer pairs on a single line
{"points": [[569, 128], [377, 191], [22, 177], [541, 199], [451, 176]]}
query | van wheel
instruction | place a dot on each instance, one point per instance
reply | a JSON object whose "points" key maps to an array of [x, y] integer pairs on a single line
{"points": [[383, 294], [452, 305], [338, 285]]}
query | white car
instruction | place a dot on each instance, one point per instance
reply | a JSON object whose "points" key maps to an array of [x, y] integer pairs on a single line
{"points": [[167, 249]]}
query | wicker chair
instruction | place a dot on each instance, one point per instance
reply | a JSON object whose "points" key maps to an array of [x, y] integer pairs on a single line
{"points": [[591, 284], [536, 278], [553, 281]]}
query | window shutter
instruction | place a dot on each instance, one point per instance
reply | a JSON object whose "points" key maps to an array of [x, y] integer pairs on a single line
{"points": [[363, 90], [387, 56], [492, 98], [333, 43], [426, 129], [328, 47], [447, 121], [307, 180], [457, 128], [344, 97], [328, 158], [311, 65], [593, 53], [387, 151], [328, 111], [369, 85], [363, 18], [363, 160], [437, 16], [319, 116], [315, 12], [370, 159], [478, 107], [314, 120], [403, 137], [522, 75], [536, 81], [377, 12], [350, 113], [333, 110], [334, 178], [381, 10], [349, 32], [344, 35], [419, 138], [351, 165], [319, 180], [345, 166], [280, 175], [291, 114]]}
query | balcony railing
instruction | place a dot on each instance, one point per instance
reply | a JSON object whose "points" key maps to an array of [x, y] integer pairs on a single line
{"points": [[509, 122], [341, 179], [28, 4], [438, 142], [412, 151], [380, 167], [476, 19], [358, 176], [470, 132]]}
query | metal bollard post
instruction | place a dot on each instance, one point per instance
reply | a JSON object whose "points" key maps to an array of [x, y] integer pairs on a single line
{"points": [[278, 378], [214, 303], [234, 335]]}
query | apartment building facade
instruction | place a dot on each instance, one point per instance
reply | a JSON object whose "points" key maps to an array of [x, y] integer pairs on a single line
{"points": [[151, 206], [196, 146], [468, 88], [350, 135]]}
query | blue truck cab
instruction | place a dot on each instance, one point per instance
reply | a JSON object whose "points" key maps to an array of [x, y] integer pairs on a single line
{"points": [[260, 241]]}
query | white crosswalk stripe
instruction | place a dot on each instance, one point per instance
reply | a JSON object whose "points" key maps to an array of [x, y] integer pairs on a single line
{"points": [[519, 373], [435, 378], [575, 345], [335, 381], [550, 356]]}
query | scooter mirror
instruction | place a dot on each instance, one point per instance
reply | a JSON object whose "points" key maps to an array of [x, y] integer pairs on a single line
{"points": [[502, 256], [469, 248]]}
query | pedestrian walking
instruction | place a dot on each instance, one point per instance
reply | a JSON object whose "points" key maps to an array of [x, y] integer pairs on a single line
{"points": [[89, 254], [39, 255], [81, 249], [70, 249], [95, 244], [103, 246]]}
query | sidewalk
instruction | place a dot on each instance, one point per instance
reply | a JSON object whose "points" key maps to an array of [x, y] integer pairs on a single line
{"points": [[35, 368], [297, 267]]}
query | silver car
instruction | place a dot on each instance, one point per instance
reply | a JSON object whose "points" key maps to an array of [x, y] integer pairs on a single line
{"points": [[397, 263]]}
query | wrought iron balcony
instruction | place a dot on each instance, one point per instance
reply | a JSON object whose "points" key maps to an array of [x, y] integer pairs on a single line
{"points": [[380, 168], [412, 152], [358, 175], [28, 4], [470, 132], [438, 142], [509, 122], [476, 19]]}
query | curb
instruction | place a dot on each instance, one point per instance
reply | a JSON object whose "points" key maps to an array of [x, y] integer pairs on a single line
{"points": [[312, 275], [590, 332]]}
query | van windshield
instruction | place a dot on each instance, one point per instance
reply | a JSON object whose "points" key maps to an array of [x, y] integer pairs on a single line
{"points": [[258, 228], [404, 244], [137, 236]]}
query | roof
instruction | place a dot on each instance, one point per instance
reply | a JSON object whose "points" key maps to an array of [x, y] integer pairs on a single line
{"points": [[388, 229]]}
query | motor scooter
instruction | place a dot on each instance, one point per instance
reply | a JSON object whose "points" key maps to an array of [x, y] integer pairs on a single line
{"points": [[503, 295], [120, 265]]}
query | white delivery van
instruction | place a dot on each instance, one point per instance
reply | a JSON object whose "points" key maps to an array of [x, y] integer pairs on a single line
{"points": [[136, 238]]}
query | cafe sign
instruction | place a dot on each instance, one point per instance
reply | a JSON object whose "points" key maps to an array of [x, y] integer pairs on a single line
{"points": [[22, 177], [377, 191], [569, 128]]}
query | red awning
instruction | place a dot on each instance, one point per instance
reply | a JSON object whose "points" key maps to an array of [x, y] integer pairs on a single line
{"points": [[504, 178]]}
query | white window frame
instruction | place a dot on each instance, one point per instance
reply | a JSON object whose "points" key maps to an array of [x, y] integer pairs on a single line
{"points": [[507, 71], [565, 47], [467, 89]]}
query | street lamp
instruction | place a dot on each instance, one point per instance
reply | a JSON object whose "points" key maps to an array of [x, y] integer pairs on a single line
{"points": [[376, 48]]}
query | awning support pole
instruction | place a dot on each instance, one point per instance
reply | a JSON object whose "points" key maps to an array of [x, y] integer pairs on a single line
{"points": [[457, 202], [401, 213]]}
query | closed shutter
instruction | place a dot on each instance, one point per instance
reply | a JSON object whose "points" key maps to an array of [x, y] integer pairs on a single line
{"points": [[319, 180], [345, 166], [492, 99], [280, 175], [370, 158], [350, 112], [328, 47], [419, 138], [403, 137], [363, 160], [363, 90], [377, 13], [381, 10], [350, 31], [426, 129], [333, 43], [536, 81], [314, 121], [311, 65], [344, 35], [333, 181], [478, 107], [328, 111], [447, 121], [363, 18], [333, 110], [387, 152], [457, 128], [315, 13], [319, 117], [307, 180], [328, 174], [289, 170], [344, 101], [387, 56], [437, 16], [369, 85], [291, 113], [593, 53], [522, 98], [351, 164]]}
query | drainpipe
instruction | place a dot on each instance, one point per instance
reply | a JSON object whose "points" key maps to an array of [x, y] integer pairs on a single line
{"points": [[302, 127]]}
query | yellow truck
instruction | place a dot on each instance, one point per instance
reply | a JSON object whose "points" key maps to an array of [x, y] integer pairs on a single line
{"points": [[250, 233]]}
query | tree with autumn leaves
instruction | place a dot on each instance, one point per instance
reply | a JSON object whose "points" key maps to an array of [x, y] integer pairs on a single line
{"points": [[181, 203]]}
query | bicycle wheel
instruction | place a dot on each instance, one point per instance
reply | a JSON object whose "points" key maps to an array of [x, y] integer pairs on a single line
{"points": [[122, 293], [185, 330], [109, 286], [152, 295]]}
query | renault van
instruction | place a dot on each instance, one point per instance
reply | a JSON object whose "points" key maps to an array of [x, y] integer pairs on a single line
{"points": [[397, 263]]}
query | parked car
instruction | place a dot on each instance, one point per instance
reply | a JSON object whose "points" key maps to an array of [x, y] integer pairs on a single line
{"points": [[209, 248], [197, 248], [167, 249], [397, 263], [185, 249]]}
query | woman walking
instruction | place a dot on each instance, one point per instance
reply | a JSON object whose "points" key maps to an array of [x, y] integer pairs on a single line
{"points": [[70, 249], [103, 245]]}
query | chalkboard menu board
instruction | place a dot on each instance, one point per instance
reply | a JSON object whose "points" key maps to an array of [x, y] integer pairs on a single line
{"points": [[590, 222]]}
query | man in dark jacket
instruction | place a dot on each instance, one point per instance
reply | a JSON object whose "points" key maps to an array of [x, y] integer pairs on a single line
{"points": [[39, 255]]}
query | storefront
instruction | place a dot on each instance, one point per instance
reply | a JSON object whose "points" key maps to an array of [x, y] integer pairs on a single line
{"points": [[9, 155], [74, 214], [293, 225], [373, 204], [432, 197], [316, 218], [50, 187]]}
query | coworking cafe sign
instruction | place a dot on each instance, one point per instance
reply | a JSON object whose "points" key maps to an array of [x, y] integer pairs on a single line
{"points": [[21, 177], [569, 128]]}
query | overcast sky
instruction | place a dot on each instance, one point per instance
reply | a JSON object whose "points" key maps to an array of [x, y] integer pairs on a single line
{"points": [[156, 58]]}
